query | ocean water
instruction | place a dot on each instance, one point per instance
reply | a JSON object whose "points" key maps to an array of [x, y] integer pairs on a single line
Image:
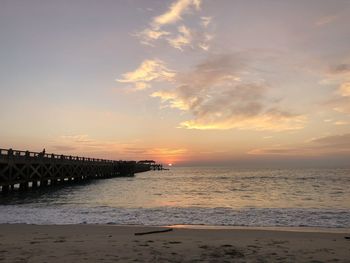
{"points": [[199, 196]]}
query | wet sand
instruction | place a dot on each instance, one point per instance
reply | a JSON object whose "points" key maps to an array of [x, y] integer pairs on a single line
{"points": [[109, 243]]}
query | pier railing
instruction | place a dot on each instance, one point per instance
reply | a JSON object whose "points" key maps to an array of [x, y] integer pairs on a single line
{"points": [[27, 154], [24, 169]]}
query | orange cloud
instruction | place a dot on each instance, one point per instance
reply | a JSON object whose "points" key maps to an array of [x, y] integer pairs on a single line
{"points": [[344, 89], [82, 144]]}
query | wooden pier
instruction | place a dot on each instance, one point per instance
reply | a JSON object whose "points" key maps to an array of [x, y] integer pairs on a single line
{"points": [[23, 169]]}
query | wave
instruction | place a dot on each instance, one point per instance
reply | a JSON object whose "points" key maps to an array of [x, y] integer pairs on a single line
{"points": [[221, 216]]}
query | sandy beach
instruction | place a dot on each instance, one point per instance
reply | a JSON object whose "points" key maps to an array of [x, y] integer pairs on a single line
{"points": [[109, 243]]}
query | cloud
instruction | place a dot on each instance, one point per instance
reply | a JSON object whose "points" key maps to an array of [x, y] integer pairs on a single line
{"points": [[84, 145], [339, 75], [175, 12], [264, 121], [336, 74], [339, 141], [340, 101], [326, 20], [148, 71], [160, 154], [184, 38], [148, 35], [340, 104], [344, 89], [218, 98], [334, 145], [276, 151], [63, 148], [190, 38], [267, 137], [341, 123], [340, 69], [168, 152], [206, 20], [155, 152], [204, 40], [82, 141], [172, 98], [178, 37], [331, 144], [79, 138]]}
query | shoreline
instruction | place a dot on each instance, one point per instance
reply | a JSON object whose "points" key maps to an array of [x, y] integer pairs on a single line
{"points": [[306, 229], [118, 243]]}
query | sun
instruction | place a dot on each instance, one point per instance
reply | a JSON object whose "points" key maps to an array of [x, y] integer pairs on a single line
{"points": [[170, 164]]}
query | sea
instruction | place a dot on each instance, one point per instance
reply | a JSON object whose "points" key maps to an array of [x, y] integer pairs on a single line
{"points": [[209, 196]]}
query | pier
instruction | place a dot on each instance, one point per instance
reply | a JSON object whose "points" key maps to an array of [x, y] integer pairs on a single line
{"points": [[152, 164], [23, 169]]}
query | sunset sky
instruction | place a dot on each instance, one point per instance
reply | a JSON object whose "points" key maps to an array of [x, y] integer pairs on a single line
{"points": [[189, 82]]}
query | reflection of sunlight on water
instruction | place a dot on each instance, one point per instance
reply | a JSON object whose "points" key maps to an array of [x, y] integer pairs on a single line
{"points": [[189, 187], [184, 189]]}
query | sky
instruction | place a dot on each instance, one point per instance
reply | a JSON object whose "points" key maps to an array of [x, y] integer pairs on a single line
{"points": [[189, 82]]}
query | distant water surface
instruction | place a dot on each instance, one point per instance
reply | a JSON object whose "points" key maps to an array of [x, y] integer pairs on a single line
{"points": [[209, 196]]}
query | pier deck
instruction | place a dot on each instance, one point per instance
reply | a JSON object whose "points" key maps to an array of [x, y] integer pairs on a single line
{"points": [[33, 169]]}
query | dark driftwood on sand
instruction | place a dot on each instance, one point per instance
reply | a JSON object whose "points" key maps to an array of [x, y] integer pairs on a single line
{"points": [[154, 232]]}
